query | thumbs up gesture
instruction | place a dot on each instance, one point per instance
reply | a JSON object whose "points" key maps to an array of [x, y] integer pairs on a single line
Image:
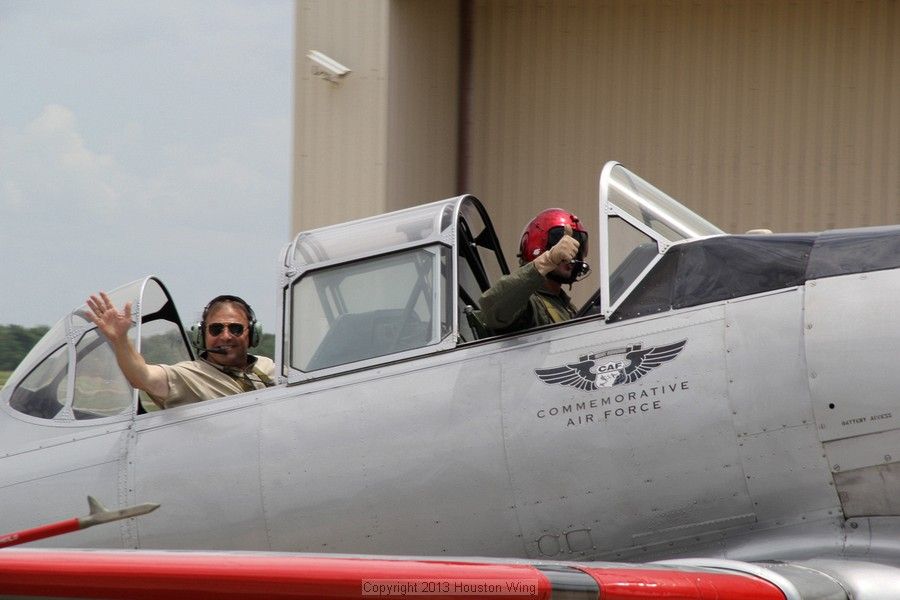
{"points": [[563, 251]]}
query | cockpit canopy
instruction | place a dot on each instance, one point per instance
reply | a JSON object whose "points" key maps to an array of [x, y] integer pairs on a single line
{"points": [[638, 223], [359, 292], [72, 375], [406, 284]]}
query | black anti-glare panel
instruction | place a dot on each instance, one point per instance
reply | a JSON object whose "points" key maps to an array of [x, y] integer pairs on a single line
{"points": [[732, 266], [844, 251], [728, 267]]}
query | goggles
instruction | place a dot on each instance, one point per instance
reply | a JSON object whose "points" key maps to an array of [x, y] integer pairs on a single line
{"points": [[235, 329], [554, 234]]}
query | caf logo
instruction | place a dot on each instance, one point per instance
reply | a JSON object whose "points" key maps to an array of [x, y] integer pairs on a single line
{"points": [[610, 367]]}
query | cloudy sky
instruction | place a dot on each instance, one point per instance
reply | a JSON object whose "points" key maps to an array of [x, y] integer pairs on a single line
{"points": [[143, 137]]}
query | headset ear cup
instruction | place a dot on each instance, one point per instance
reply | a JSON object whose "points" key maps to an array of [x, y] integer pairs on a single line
{"points": [[255, 334], [198, 340]]}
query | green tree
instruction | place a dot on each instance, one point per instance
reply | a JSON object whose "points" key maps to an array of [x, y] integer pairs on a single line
{"points": [[266, 346], [15, 342], [164, 348]]}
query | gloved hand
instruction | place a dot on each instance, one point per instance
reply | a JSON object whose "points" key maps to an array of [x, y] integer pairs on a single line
{"points": [[563, 251]]}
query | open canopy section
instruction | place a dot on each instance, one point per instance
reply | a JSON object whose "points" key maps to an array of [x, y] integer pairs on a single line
{"points": [[71, 374], [638, 223]]}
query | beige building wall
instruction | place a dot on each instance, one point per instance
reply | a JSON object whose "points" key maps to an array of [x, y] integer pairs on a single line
{"points": [[763, 113], [383, 136], [423, 102], [756, 114], [340, 128]]}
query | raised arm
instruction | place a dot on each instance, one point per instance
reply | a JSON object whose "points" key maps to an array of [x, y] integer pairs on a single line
{"points": [[114, 325], [506, 301]]}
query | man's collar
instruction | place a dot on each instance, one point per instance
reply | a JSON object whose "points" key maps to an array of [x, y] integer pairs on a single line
{"points": [[251, 362]]}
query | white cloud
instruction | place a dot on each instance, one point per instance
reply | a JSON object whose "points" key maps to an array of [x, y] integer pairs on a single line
{"points": [[47, 167], [48, 171], [142, 137]]}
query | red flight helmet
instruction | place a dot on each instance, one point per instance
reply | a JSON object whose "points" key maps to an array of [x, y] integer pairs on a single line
{"points": [[546, 229]]}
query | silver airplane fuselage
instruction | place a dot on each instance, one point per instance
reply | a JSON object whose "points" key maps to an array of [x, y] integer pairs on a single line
{"points": [[671, 418]]}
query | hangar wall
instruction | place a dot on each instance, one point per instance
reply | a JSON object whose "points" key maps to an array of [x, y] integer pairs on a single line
{"points": [[757, 114], [384, 136], [339, 128], [762, 113]]}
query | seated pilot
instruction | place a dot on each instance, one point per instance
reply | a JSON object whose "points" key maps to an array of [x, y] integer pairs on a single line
{"points": [[551, 250], [227, 329]]}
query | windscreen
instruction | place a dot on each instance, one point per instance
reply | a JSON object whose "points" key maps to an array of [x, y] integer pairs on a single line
{"points": [[369, 308], [656, 209]]}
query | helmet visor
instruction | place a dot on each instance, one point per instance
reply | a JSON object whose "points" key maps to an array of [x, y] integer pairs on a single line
{"points": [[554, 234]]}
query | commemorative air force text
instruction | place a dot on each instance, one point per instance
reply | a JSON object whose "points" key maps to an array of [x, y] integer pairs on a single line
{"points": [[626, 403]]}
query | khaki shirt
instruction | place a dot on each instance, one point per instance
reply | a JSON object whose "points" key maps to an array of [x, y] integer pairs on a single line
{"points": [[519, 301], [197, 380]]}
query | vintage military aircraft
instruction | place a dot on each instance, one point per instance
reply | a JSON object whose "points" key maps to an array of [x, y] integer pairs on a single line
{"points": [[721, 396]]}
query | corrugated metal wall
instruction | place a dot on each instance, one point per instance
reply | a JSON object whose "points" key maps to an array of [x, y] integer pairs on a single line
{"points": [[340, 129], [384, 136], [424, 97], [764, 113]]}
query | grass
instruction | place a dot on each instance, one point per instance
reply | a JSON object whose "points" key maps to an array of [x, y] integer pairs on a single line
{"points": [[4, 375]]}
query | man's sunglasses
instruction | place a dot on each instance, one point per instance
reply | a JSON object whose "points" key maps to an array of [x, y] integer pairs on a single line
{"points": [[554, 234], [235, 329]]}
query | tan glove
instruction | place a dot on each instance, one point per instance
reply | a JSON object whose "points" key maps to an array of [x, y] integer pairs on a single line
{"points": [[563, 251]]}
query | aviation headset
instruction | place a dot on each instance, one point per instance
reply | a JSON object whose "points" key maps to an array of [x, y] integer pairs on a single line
{"points": [[198, 331]]}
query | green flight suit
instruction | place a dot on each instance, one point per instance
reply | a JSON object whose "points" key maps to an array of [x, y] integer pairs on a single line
{"points": [[520, 301]]}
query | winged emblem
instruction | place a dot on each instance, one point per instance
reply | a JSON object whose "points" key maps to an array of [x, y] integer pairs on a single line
{"points": [[577, 374], [603, 369]]}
